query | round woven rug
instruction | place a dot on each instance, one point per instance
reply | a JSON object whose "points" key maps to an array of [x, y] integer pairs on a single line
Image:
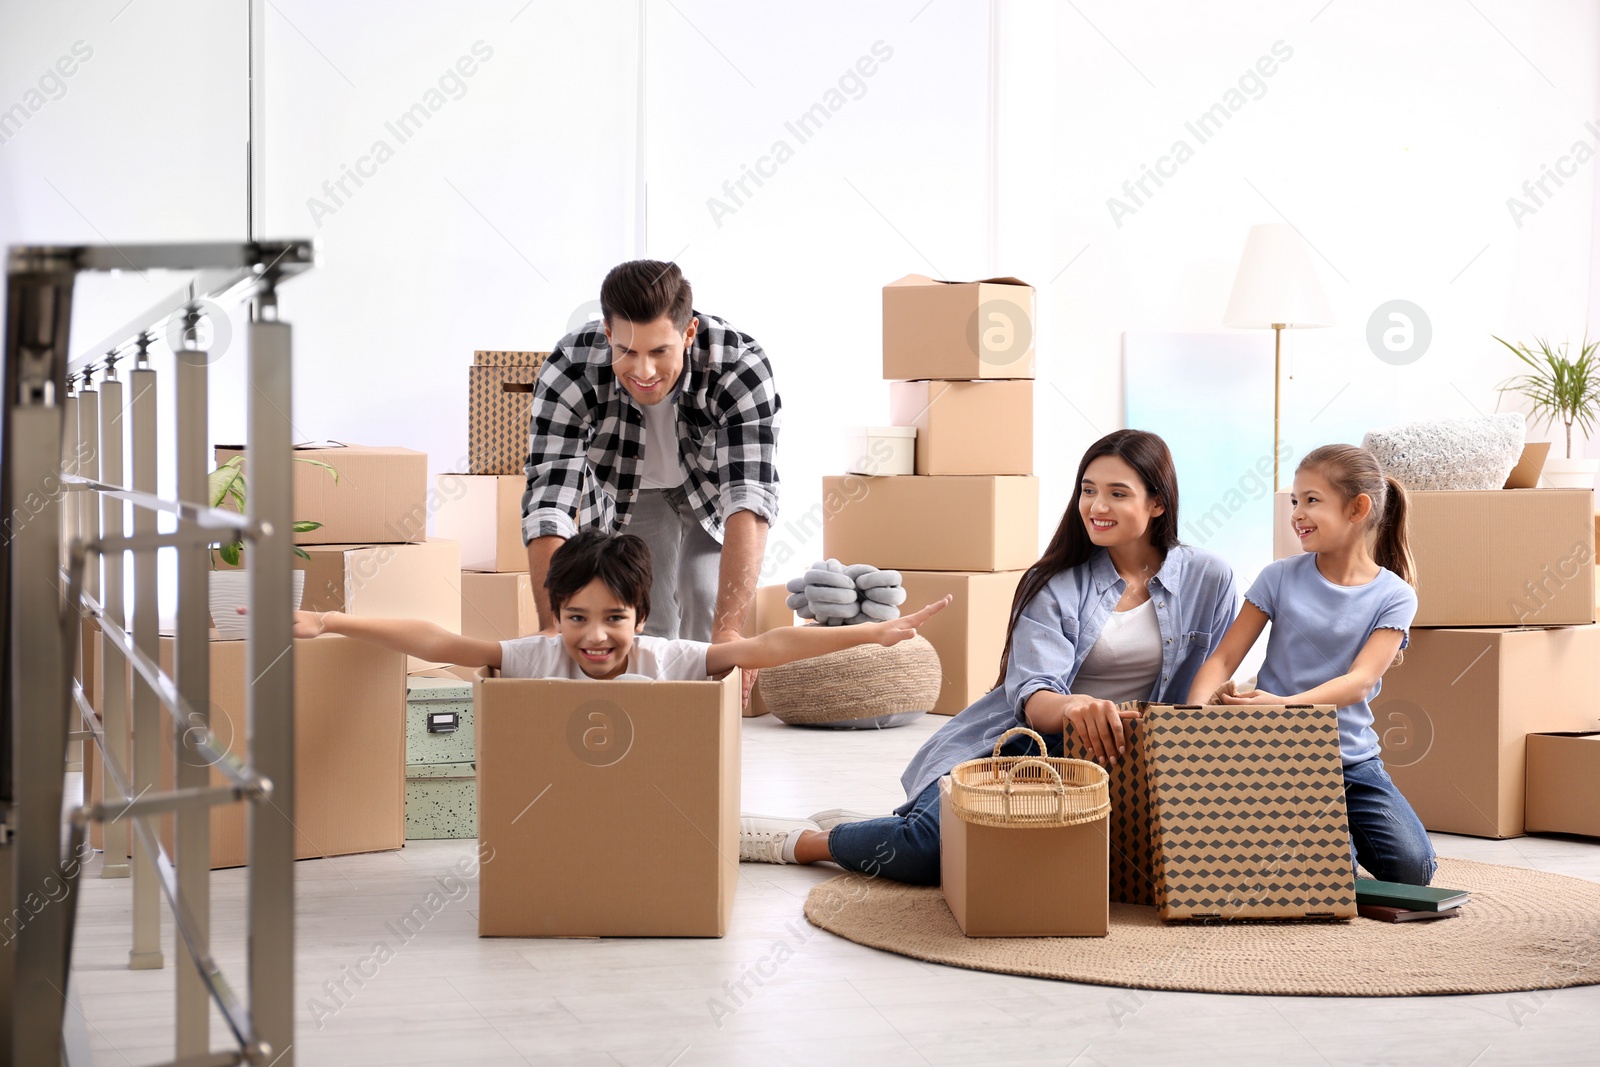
{"points": [[1521, 930]]}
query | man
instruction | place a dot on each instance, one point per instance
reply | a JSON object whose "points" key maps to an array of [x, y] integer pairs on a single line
{"points": [[662, 422]]}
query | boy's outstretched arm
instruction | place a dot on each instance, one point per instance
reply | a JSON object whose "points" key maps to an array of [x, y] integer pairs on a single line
{"points": [[789, 643], [414, 637]]}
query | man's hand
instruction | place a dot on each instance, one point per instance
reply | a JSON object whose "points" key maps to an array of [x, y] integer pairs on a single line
{"points": [[904, 628], [722, 638]]}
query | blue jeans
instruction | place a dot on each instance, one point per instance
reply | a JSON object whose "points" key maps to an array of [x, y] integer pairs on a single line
{"points": [[1386, 837], [904, 846]]}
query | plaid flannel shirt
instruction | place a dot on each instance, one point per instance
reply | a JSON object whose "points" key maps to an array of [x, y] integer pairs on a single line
{"points": [[587, 435]]}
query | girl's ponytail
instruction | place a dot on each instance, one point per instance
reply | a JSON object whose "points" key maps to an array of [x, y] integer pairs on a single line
{"points": [[1392, 549]]}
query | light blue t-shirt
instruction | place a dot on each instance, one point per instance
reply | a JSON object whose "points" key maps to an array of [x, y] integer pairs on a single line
{"points": [[1318, 629]]}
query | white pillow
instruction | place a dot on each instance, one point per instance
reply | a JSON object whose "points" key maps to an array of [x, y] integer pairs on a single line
{"points": [[1476, 452]]}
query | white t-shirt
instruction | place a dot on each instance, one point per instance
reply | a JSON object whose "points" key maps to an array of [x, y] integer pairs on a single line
{"points": [[661, 658], [661, 468], [1126, 659]]}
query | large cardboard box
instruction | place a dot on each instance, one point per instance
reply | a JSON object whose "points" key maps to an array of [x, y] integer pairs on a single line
{"points": [[498, 607], [1023, 882], [967, 427], [1497, 557], [381, 493], [1563, 791], [484, 513], [1249, 813], [349, 747], [958, 330], [607, 809], [499, 399], [965, 523], [397, 581], [1454, 717], [1131, 824], [970, 634]]}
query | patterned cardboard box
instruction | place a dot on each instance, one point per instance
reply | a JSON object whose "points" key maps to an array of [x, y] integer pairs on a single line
{"points": [[1131, 826], [1249, 813], [501, 391]]}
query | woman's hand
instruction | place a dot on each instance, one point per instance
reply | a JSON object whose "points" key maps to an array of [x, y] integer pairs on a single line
{"points": [[904, 628], [1099, 724], [1252, 696]]}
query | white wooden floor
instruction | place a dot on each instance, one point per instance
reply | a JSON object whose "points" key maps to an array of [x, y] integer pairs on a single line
{"points": [[447, 997]]}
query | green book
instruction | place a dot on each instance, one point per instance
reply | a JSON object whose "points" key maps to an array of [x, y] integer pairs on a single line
{"points": [[1412, 897]]}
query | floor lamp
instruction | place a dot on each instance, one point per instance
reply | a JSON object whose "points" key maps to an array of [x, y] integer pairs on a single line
{"points": [[1276, 287]]}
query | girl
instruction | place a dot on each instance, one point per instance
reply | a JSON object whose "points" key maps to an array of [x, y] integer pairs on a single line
{"points": [[1115, 610], [1339, 614]]}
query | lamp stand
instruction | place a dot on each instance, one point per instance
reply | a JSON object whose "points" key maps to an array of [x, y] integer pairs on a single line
{"points": [[1277, 396]]}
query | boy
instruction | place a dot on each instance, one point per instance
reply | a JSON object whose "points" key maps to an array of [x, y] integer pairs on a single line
{"points": [[599, 586]]}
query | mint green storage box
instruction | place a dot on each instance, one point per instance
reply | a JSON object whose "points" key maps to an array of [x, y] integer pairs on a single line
{"points": [[441, 779]]}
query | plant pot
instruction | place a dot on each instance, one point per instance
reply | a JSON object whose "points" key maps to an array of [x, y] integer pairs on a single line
{"points": [[1570, 473], [230, 590]]}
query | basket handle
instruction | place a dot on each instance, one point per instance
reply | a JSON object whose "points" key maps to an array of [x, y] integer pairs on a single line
{"points": [[1044, 749], [1059, 792]]}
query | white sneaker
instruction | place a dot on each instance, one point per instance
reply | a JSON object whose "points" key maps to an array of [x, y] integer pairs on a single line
{"points": [[762, 837], [827, 820]]}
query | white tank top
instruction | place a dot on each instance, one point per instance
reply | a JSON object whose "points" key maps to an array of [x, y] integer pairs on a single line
{"points": [[1126, 660]]}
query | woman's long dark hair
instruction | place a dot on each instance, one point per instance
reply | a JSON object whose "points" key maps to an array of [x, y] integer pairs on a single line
{"points": [[1148, 455]]}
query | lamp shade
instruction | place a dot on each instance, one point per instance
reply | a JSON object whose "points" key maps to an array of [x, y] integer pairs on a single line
{"points": [[1276, 283]]}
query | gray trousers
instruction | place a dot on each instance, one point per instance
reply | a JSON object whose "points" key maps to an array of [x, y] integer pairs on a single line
{"points": [[685, 562]]}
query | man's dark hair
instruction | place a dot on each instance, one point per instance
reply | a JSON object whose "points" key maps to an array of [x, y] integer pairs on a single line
{"points": [[621, 561], [643, 290]]}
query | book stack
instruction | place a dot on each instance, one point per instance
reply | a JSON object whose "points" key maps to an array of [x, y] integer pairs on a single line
{"points": [[482, 508], [960, 357], [1396, 902]]}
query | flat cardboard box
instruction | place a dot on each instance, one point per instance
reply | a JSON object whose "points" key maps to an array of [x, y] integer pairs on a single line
{"points": [[967, 427], [396, 581], [1023, 882], [1454, 717], [970, 634], [1249, 809], [958, 330], [965, 523], [498, 607], [770, 611], [349, 725], [499, 400], [381, 494], [484, 513], [1563, 791], [606, 809]]}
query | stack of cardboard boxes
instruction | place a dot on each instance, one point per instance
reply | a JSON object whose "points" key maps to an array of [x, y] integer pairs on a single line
{"points": [[960, 356], [1503, 646], [482, 509]]}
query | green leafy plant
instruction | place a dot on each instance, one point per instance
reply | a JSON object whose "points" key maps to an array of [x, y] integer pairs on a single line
{"points": [[227, 483], [1558, 386]]}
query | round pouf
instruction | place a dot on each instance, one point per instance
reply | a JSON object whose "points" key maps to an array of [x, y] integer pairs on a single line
{"points": [[869, 687]]}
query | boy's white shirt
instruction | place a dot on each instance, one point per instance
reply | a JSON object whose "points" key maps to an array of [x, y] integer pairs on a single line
{"points": [[661, 658]]}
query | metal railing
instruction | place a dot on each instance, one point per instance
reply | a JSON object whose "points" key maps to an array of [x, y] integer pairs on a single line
{"points": [[63, 491]]}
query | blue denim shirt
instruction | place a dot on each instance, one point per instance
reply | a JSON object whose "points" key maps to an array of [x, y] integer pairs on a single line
{"points": [[1196, 601]]}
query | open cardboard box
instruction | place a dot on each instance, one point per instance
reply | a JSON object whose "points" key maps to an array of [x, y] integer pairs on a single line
{"points": [[958, 330], [606, 809]]}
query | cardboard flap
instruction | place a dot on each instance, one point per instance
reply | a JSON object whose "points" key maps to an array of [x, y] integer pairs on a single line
{"points": [[1525, 475], [923, 279]]}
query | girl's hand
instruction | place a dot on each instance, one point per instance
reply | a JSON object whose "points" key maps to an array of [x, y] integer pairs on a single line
{"points": [[1252, 696], [1099, 724], [905, 627]]}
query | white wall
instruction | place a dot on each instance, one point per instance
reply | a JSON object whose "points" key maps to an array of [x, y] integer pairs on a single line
{"points": [[1392, 138]]}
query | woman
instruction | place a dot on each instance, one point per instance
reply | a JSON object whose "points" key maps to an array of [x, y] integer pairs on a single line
{"points": [[1115, 610]]}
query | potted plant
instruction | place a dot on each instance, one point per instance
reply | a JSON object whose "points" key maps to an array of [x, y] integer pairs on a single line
{"points": [[230, 589], [1564, 388]]}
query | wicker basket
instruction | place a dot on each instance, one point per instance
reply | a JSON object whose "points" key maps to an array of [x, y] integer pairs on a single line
{"points": [[854, 684], [1022, 791]]}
